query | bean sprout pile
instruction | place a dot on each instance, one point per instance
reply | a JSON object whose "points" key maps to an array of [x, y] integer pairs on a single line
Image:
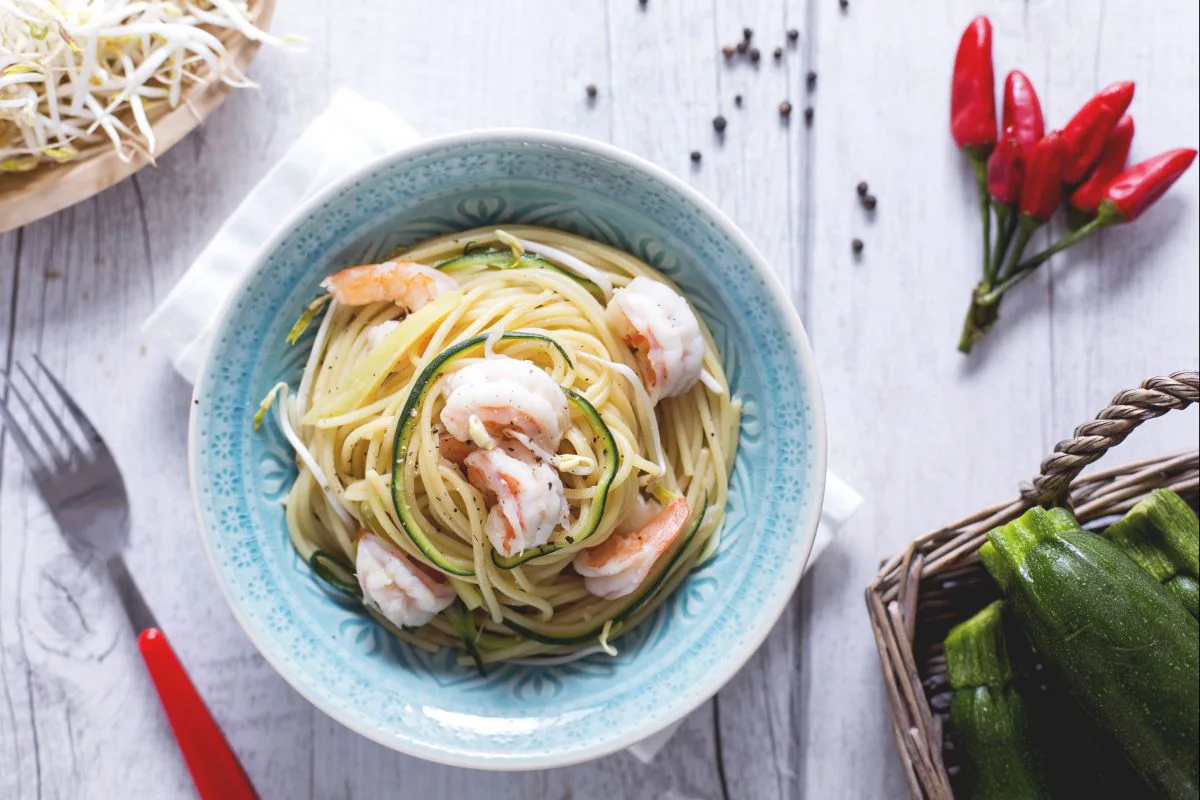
{"points": [[76, 72]]}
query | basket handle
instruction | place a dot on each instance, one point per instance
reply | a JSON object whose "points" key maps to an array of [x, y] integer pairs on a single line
{"points": [[1130, 408]]}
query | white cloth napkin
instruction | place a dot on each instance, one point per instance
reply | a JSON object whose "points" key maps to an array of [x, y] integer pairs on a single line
{"points": [[349, 132]]}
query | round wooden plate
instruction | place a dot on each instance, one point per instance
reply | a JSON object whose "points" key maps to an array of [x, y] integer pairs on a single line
{"points": [[29, 196]]}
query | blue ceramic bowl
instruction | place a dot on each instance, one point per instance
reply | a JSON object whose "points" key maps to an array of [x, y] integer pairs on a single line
{"points": [[517, 717]]}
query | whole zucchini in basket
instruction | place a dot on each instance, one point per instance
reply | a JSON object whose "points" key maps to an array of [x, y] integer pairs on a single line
{"points": [[1162, 535], [1122, 645], [988, 716]]}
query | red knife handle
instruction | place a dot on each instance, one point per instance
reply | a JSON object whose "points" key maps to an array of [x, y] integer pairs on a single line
{"points": [[215, 769]]}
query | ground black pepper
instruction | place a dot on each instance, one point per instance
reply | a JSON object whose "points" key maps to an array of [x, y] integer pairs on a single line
{"points": [[737, 100], [778, 53], [862, 188], [591, 90], [811, 79], [845, 4], [856, 245], [755, 55], [808, 115], [785, 109], [742, 47], [719, 124], [793, 34], [728, 51], [869, 202], [695, 156], [747, 34]]}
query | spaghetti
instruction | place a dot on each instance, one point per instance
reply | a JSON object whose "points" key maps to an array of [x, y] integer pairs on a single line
{"points": [[518, 450]]}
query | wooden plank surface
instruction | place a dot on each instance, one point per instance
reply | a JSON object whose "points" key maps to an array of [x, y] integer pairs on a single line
{"points": [[925, 434]]}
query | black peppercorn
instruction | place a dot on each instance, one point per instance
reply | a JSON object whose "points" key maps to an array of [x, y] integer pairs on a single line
{"points": [[811, 79], [591, 90], [695, 156], [861, 188], [755, 55], [793, 34], [737, 100], [719, 124], [856, 245], [808, 115], [785, 109], [869, 202]]}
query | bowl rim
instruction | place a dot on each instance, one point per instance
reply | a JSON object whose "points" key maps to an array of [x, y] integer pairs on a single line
{"points": [[802, 352]]}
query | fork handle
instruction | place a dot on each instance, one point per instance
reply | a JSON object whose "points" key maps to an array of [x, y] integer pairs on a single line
{"points": [[215, 769]]}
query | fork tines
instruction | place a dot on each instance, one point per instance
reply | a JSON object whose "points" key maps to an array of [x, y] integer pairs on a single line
{"points": [[35, 442]]}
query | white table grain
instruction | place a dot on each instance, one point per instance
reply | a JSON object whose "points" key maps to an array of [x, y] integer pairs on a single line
{"points": [[925, 434]]}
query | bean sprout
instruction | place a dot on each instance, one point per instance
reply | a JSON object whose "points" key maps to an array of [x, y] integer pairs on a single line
{"points": [[76, 72]]}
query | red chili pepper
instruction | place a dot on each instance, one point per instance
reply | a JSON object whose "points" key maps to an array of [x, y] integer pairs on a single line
{"points": [[1112, 161], [973, 91], [1006, 168], [1041, 191], [1022, 110], [1136, 189], [1089, 128]]}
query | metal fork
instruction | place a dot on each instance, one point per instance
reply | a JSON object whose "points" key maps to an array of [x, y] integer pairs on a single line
{"points": [[81, 483]]}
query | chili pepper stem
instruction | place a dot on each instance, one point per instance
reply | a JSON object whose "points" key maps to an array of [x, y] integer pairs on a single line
{"points": [[981, 316], [985, 301], [1077, 218], [985, 208], [1069, 239], [995, 294], [1026, 226], [1005, 228], [1026, 268]]}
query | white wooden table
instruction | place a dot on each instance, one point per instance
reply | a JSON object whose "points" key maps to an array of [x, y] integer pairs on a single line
{"points": [[927, 435]]}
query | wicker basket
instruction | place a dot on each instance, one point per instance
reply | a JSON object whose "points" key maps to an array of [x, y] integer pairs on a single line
{"points": [[938, 581]]}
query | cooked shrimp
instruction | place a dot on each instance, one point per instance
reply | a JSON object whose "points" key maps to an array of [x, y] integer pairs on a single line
{"points": [[407, 284], [453, 450], [399, 589], [640, 512], [528, 494], [507, 396], [618, 566], [663, 332]]}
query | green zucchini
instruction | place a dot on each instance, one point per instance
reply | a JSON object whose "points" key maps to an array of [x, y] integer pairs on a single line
{"points": [[404, 431], [1162, 536], [475, 261], [461, 621], [653, 583], [335, 574], [1078, 759], [1127, 651], [989, 716]]}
